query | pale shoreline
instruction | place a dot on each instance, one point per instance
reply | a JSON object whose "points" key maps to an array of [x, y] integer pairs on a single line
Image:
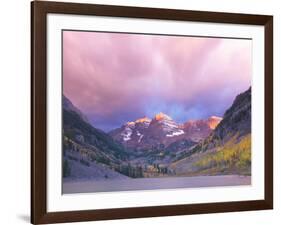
{"points": [[114, 185]]}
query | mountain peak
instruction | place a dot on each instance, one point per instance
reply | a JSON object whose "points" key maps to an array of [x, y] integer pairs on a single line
{"points": [[130, 123], [213, 121], [162, 116], [143, 120], [140, 120], [215, 118]]}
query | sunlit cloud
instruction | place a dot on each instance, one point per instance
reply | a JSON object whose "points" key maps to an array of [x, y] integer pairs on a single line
{"points": [[114, 78]]}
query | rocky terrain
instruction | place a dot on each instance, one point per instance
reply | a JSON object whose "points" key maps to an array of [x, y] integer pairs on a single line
{"points": [[227, 150]]}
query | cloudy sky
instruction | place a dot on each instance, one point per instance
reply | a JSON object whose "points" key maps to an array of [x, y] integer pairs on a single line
{"points": [[115, 78]]}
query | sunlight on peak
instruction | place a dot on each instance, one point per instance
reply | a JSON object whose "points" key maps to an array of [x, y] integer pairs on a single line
{"points": [[144, 119], [161, 116]]}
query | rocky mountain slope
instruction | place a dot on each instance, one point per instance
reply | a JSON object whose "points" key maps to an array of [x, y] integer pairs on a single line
{"points": [[67, 105], [86, 146], [131, 133], [227, 150]]}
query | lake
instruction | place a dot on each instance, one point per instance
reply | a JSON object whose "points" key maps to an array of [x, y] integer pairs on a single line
{"points": [[110, 185]]}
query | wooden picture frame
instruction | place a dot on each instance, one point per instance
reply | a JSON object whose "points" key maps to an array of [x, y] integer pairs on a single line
{"points": [[39, 11]]}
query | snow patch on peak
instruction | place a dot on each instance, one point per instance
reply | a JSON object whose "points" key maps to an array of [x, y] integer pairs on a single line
{"points": [[175, 133], [126, 134], [141, 136]]}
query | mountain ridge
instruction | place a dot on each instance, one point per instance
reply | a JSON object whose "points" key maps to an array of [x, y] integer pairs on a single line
{"points": [[162, 129]]}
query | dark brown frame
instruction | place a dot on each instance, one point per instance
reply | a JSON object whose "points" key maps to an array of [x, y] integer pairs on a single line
{"points": [[39, 11]]}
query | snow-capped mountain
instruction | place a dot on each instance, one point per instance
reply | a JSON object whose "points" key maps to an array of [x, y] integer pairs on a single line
{"points": [[162, 130], [164, 125], [131, 133]]}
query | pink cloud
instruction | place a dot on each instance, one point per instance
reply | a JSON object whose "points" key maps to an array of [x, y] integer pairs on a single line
{"points": [[111, 75]]}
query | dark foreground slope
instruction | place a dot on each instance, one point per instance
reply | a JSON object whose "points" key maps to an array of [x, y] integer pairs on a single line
{"points": [[88, 152]]}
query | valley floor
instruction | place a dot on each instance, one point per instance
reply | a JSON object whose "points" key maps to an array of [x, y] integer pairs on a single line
{"points": [[108, 185]]}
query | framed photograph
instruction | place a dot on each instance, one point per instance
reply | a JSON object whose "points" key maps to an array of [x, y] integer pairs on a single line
{"points": [[144, 112]]}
